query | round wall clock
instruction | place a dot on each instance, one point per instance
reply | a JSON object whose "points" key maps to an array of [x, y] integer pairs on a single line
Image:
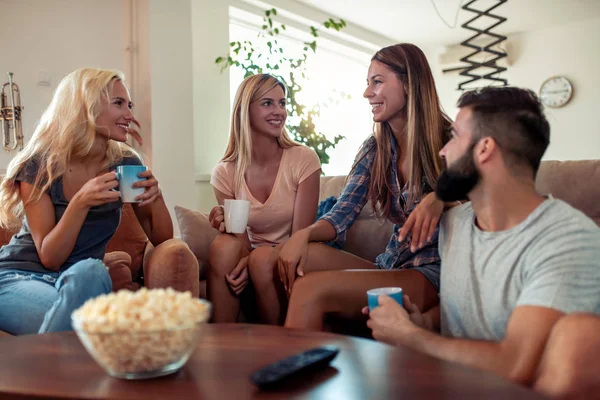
{"points": [[556, 91]]}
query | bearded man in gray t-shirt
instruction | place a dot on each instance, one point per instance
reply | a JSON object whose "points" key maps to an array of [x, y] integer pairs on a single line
{"points": [[514, 263]]}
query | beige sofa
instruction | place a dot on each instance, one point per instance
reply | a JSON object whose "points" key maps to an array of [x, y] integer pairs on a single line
{"points": [[576, 182]]}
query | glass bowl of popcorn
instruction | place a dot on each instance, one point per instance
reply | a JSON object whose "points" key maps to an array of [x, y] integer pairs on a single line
{"points": [[143, 334]]}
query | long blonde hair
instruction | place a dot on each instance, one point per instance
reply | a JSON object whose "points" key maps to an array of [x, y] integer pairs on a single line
{"points": [[67, 128], [426, 128], [239, 148]]}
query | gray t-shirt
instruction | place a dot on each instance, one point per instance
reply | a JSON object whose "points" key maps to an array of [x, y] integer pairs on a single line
{"points": [[551, 259], [99, 226]]}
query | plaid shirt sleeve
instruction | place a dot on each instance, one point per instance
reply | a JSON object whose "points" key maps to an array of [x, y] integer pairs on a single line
{"points": [[354, 195]]}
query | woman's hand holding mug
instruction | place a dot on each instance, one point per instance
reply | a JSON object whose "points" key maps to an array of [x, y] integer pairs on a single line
{"points": [[217, 218], [231, 217], [98, 191]]}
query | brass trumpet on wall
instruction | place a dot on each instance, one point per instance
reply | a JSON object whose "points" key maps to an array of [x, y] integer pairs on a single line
{"points": [[10, 116]]}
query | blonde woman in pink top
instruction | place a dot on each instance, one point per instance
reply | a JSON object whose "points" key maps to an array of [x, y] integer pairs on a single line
{"points": [[280, 178]]}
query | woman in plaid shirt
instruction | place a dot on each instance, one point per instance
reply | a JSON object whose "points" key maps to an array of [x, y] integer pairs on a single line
{"points": [[396, 169]]}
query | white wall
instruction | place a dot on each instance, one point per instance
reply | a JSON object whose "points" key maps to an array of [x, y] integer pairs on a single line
{"points": [[57, 36], [211, 109], [171, 77], [139, 69], [571, 50], [185, 98], [151, 41], [190, 97]]}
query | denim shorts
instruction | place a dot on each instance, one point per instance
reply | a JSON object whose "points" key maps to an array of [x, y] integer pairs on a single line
{"points": [[432, 273]]}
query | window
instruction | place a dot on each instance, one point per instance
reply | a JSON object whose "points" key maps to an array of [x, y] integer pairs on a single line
{"points": [[333, 70]]}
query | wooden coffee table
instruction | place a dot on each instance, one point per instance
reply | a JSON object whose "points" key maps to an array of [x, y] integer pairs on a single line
{"points": [[57, 366]]}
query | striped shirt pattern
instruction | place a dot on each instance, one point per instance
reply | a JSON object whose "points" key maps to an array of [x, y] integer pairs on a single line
{"points": [[353, 198]]}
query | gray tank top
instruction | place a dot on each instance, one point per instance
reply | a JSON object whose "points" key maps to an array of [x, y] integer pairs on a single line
{"points": [[99, 226]]}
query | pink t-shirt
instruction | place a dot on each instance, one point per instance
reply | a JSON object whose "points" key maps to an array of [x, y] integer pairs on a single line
{"points": [[270, 223]]}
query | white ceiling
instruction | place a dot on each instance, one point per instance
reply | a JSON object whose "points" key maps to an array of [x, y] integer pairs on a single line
{"points": [[416, 21]]}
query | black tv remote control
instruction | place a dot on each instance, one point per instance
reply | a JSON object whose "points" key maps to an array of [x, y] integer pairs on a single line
{"points": [[309, 360]]}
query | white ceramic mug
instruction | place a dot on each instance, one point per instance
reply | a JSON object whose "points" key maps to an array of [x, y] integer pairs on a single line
{"points": [[236, 215], [127, 175]]}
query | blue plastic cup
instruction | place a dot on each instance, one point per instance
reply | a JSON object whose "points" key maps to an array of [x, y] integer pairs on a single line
{"points": [[373, 295], [127, 175]]}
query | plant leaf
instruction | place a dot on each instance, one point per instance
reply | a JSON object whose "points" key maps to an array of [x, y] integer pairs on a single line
{"points": [[302, 120]]}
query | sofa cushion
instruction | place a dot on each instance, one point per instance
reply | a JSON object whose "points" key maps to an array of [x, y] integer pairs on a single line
{"points": [[331, 186], [575, 182], [172, 264], [369, 235], [119, 264], [197, 232], [367, 238], [130, 238]]}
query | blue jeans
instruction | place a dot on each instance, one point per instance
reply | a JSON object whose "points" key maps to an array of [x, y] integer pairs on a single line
{"points": [[37, 302]]}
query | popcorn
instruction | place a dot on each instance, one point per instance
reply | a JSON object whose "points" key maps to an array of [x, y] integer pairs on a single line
{"points": [[140, 332]]}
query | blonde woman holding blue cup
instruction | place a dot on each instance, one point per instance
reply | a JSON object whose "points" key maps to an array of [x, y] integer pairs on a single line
{"points": [[62, 189], [276, 182]]}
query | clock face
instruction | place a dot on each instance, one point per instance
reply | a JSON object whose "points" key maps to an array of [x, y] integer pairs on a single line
{"points": [[556, 91]]}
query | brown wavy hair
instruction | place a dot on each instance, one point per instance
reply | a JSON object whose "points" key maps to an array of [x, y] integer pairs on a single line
{"points": [[427, 129]]}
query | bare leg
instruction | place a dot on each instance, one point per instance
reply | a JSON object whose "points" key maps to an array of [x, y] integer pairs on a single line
{"points": [[325, 258], [570, 364], [270, 293], [225, 253], [344, 292]]}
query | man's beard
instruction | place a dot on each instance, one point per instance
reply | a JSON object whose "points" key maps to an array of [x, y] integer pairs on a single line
{"points": [[459, 179]]}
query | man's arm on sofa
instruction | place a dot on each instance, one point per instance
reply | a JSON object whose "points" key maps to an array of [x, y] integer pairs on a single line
{"points": [[516, 357]]}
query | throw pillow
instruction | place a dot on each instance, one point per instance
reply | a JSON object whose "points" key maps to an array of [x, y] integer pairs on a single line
{"points": [[196, 232]]}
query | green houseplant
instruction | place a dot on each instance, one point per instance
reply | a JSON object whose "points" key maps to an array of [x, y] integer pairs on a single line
{"points": [[292, 71]]}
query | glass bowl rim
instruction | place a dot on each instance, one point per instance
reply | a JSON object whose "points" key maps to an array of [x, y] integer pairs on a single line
{"points": [[77, 326]]}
